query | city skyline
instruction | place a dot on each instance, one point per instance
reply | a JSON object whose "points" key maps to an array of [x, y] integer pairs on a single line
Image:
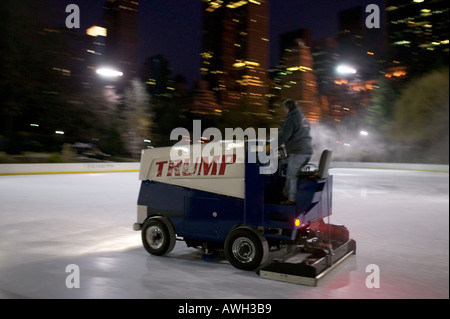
{"points": [[159, 25], [64, 100]]}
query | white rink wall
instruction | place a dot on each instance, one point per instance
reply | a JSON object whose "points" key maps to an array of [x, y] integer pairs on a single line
{"points": [[69, 168], [396, 166], [79, 168]]}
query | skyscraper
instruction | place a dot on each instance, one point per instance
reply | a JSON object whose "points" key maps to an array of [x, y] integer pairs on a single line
{"points": [[360, 46], [299, 81], [418, 32], [121, 20], [235, 56]]}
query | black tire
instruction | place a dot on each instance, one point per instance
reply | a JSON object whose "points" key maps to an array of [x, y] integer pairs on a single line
{"points": [[245, 250], [156, 237]]}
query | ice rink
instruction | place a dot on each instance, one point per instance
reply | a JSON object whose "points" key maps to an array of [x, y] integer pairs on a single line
{"points": [[399, 219]]}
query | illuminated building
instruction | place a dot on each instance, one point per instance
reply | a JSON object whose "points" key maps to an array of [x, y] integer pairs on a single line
{"points": [[96, 50], [78, 54], [235, 56], [359, 45], [326, 57], [203, 101], [418, 33], [361, 49], [121, 20], [156, 74], [298, 81]]}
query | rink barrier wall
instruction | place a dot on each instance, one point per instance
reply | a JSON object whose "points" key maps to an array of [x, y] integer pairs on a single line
{"points": [[393, 166], [80, 168], [67, 168]]}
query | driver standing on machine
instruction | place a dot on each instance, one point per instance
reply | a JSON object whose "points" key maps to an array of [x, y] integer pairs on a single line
{"points": [[296, 138]]}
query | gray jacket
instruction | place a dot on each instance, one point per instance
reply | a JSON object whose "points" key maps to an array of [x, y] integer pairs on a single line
{"points": [[295, 134]]}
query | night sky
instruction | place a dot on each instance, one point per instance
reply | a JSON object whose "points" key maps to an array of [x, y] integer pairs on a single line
{"points": [[172, 27]]}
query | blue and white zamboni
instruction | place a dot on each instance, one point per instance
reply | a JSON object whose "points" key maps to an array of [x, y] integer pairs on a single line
{"points": [[225, 204]]}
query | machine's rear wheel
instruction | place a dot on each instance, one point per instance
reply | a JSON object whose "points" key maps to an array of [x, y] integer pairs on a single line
{"points": [[157, 238], [245, 249]]}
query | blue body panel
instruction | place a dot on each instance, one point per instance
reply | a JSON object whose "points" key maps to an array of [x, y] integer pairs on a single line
{"points": [[209, 216], [192, 211]]}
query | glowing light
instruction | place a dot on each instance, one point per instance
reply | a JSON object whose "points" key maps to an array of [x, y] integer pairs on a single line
{"points": [[299, 68], [59, 132], [96, 31], [297, 222], [391, 8], [345, 69], [340, 82], [248, 64], [237, 4], [364, 133], [252, 63], [108, 72]]}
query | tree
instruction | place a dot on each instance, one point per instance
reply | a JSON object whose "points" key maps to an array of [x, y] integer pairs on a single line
{"points": [[381, 112], [135, 118], [421, 116]]}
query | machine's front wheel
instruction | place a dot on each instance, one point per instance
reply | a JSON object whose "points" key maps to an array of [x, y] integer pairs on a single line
{"points": [[156, 237], [245, 250]]}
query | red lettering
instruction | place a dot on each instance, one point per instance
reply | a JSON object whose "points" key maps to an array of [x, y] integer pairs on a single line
{"points": [[160, 168], [174, 167], [226, 160], [186, 167], [202, 166], [208, 166]]}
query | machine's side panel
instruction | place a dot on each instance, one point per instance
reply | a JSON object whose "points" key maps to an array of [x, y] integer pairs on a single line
{"points": [[195, 214], [165, 200]]}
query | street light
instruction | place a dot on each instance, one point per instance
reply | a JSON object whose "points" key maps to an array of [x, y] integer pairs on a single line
{"points": [[364, 133], [345, 69], [109, 72]]}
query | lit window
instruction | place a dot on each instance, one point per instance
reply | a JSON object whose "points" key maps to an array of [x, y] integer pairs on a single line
{"points": [[237, 4], [96, 31]]}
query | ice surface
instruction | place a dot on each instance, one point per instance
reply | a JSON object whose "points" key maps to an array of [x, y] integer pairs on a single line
{"points": [[399, 219]]}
